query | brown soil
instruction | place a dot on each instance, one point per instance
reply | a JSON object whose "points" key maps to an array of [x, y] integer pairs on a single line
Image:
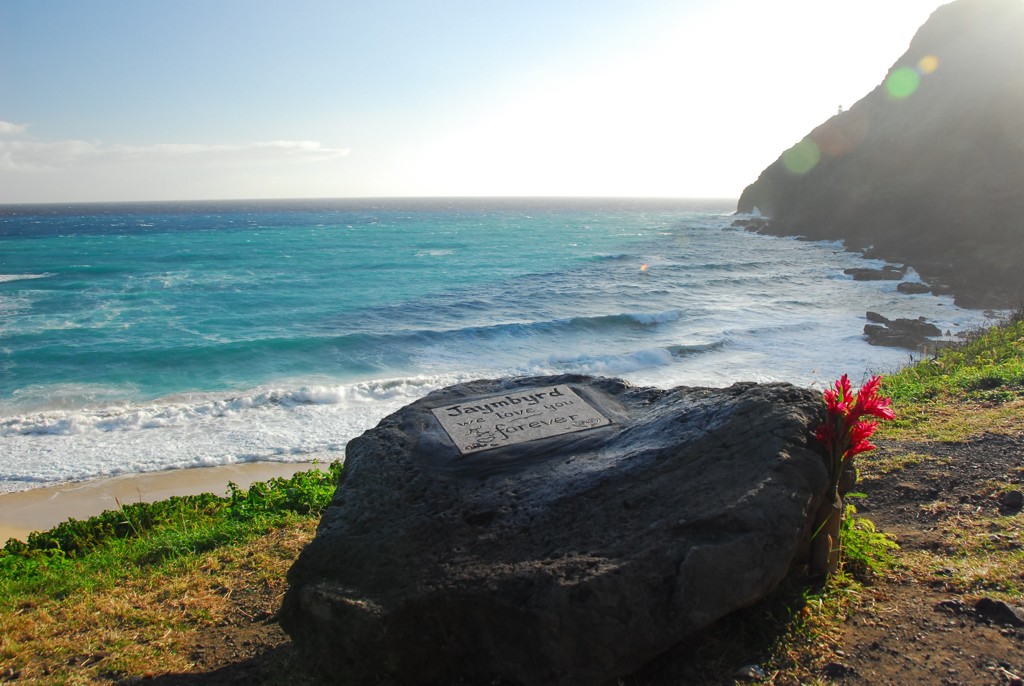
{"points": [[919, 625], [925, 625]]}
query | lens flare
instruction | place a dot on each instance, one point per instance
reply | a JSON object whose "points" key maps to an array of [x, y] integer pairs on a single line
{"points": [[643, 267], [802, 157], [902, 83], [928, 64]]}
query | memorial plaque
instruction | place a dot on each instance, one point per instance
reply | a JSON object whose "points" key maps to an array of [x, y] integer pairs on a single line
{"points": [[518, 417]]}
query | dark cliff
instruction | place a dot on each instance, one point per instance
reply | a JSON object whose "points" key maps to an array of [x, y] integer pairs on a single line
{"points": [[928, 168]]}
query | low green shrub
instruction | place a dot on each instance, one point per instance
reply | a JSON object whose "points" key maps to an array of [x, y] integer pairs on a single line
{"points": [[78, 553]]}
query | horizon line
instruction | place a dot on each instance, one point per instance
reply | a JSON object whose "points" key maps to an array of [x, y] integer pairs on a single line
{"points": [[42, 203]]}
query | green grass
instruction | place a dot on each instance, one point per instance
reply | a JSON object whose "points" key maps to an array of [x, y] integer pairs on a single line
{"points": [[85, 555]]}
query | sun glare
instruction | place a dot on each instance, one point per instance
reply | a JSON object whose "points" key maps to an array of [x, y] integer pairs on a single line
{"points": [[699, 109]]}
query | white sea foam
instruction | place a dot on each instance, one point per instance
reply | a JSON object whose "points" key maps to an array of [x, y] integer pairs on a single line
{"points": [[286, 424], [11, 305], [20, 277], [171, 413], [602, 364], [911, 276]]}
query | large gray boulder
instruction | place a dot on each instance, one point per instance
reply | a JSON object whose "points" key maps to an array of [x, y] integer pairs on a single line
{"points": [[561, 559]]}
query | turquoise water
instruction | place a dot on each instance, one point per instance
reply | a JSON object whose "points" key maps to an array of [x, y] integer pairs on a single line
{"points": [[144, 337]]}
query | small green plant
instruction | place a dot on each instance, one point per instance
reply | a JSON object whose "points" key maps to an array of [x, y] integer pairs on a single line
{"points": [[866, 550]]}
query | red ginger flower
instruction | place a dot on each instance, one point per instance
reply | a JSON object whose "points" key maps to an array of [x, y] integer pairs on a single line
{"points": [[859, 435], [838, 399], [843, 433], [868, 402]]}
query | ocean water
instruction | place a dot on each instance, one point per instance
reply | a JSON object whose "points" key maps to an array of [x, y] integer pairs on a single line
{"points": [[143, 337]]}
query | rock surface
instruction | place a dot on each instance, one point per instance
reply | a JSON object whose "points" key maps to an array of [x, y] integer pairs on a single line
{"points": [[889, 272], [1000, 612], [928, 168], [913, 288], [913, 334], [572, 559]]}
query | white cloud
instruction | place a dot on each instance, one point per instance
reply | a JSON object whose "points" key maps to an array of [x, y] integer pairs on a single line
{"points": [[34, 156], [8, 128], [29, 155], [267, 152]]}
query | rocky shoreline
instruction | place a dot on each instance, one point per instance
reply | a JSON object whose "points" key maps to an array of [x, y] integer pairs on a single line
{"points": [[913, 334], [939, 278]]}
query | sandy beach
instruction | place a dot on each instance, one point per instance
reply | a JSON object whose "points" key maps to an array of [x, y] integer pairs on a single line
{"points": [[40, 509]]}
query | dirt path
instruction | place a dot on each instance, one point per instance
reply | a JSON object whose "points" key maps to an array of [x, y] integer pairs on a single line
{"points": [[944, 618]]}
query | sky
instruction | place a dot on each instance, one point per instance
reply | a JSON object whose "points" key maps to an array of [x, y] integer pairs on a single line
{"points": [[119, 100]]}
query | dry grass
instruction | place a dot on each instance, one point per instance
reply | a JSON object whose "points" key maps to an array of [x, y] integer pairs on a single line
{"points": [[949, 420], [977, 555], [883, 465], [142, 625]]}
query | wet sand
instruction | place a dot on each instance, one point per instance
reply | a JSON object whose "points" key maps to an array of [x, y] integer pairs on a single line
{"points": [[40, 509]]}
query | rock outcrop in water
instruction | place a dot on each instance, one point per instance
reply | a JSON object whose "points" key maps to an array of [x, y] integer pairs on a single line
{"points": [[915, 334], [927, 169], [568, 558]]}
